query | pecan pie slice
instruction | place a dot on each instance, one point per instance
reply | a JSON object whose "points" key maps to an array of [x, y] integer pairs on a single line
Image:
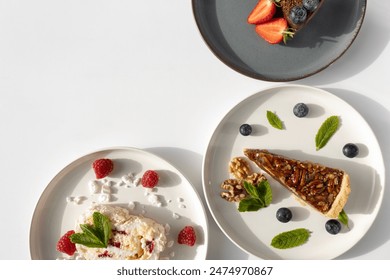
{"points": [[324, 188]]}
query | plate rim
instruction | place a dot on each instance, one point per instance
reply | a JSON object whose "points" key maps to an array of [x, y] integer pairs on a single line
{"points": [[258, 76], [60, 173], [262, 92]]}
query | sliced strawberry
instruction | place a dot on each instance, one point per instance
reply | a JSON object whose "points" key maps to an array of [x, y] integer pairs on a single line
{"points": [[274, 31], [262, 12]]}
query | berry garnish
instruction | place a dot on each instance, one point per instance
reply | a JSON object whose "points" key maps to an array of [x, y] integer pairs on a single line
{"points": [[245, 129], [333, 226], [301, 110], [283, 215], [274, 31], [150, 246], [66, 246], [150, 179], [262, 12], [298, 14], [187, 236], [102, 167], [350, 150], [311, 5]]}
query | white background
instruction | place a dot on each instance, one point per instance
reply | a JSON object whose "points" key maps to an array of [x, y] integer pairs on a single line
{"points": [[81, 75]]}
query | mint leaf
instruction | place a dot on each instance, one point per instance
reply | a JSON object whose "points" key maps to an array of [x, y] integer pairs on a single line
{"points": [[103, 226], [251, 189], [265, 192], [343, 218], [259, 196], [250, 204], [326, 131], [290, 239], [274, 120], [90, 241], [96, 235]]}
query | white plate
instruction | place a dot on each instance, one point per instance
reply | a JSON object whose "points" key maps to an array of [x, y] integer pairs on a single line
{"points": [[54, 216], [253, 231]]}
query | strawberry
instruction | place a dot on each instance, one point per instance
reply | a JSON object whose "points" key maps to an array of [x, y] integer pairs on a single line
{"points": [[66, 246], [274, 31], [187, 236], [150, 179], [102, 167], [263, 11]]}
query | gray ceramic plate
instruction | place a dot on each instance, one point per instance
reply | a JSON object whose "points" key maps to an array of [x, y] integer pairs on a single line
{"points": [[322, 41]]}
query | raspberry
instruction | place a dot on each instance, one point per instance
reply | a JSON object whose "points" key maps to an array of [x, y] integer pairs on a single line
{"points": [[187, 236], [102, 167], [66, 246], [150, 179]]}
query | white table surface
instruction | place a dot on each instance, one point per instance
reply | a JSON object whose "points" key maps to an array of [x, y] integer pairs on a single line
{"points": [[81, 75]]}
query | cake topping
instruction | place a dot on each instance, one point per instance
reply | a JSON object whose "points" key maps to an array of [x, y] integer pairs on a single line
{"points": [[96, 235]]}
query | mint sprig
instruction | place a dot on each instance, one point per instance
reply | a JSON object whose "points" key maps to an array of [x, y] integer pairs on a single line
{"points": [[290, 239], [326, 131], [96, 235], [274, 120], [343, 218], [260, 196]]}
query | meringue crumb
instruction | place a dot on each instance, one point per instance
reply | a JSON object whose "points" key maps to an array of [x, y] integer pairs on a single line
{"points": [[170, 243], [175, 216], [131, 205]]}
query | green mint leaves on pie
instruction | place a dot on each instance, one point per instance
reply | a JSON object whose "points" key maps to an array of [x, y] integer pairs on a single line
{"points": [[96, 235], [274, 120], [290, 239], [259, 196], [326, 131]]}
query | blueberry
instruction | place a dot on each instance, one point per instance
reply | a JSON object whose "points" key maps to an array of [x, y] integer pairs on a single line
{"points": [[298, 14], [333, 226], [311, 5], [245, 129], [350, 150], [283, 215], [301, 110]]}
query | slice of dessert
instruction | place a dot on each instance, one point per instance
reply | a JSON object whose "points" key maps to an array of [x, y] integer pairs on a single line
{"points": [[279, 20], [324, 188]]}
